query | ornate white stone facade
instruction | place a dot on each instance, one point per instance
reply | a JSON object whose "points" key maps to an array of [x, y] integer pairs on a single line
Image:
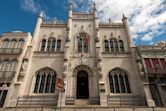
{"points": [[81, 44]]}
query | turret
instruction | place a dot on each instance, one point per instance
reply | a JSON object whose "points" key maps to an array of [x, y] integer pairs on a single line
{"points": [[37, 27], [126, 25], [69, 16]]}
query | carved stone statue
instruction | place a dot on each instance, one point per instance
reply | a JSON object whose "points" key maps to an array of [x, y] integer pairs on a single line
{"points": [[140, 69], [24, 66]]}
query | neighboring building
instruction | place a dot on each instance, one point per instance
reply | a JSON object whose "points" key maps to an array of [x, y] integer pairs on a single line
{"points": [[153, 59], [97, 61], [13, 47]]}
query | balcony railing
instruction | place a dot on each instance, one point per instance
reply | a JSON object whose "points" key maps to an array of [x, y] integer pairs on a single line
{"points": [[9, 51], [37, 101], [7, 74], [156, 71], [125, 100]]}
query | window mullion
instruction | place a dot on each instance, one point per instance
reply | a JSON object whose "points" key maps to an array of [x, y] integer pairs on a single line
{"points": [[38, 87], [120, 90], [46, 43], [56, 45], [50, 83], [45, 83], [124, 83], [82, 46], [114, 83], [109, 45]]}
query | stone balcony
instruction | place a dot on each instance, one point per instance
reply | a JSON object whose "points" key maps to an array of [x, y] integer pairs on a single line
{"points": [[10, 51]]}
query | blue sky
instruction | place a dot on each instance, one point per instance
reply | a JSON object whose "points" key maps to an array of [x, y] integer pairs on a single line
{"points": [[147, 18]]}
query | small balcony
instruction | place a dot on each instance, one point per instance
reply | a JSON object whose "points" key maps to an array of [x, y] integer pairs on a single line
{"points": [[46, 101], [156, 71], [10, 51], [7, 74]]}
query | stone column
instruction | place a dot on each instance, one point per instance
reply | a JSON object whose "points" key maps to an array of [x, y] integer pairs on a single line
{"points": [[149, 99]]}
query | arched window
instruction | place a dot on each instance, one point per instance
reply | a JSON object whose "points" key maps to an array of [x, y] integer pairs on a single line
{"points": [[58, 45], [111, 45], [53, 45], [13, 65], [5, 43], [80, 41], [20, 43], [106, 45], [43, 45], [116, 46], [119, 82], [121, 45], [49, 45], [83, 42], [13, 43], [45, 81]]}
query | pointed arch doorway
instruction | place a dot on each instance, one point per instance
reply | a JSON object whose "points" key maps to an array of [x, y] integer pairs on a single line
{"points": [[82, 85]]}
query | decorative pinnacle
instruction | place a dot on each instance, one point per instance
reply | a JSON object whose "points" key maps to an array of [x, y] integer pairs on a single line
{"points": [[94, 6], [124, 17], [70, 5], [41, 14]]}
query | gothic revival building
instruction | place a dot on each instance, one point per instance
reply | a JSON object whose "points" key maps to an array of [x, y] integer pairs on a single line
{"points": [[97, 61]]}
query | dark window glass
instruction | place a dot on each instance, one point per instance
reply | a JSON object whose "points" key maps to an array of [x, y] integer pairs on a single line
{"points": [[53, 84], [127, 84], [48, 83], [80, 45], [121, 45], [43, 45], [37, 83], [122, 84], [48, 45], [111, 46], [116, 46], [53, 45], [106, 46], [116, 84], [58, 45], [111, 83], [42, 83]]}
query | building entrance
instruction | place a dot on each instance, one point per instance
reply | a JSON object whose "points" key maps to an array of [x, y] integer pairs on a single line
{"points": [[82, 85]]}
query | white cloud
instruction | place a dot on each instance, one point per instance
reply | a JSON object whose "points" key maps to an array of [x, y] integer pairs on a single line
{"points": [[147, 18], [30, 6], [34, 7]]}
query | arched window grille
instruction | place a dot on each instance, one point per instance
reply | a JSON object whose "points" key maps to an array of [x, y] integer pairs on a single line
{"points": [[45, 81], [119, 82], [43, 45], [121, 45], [106, 46], [58, 45]]}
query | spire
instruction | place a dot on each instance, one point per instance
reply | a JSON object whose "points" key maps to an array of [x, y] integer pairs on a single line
{"points": [[70, 5], [124, 17], [41, 14], [94, 6]]}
